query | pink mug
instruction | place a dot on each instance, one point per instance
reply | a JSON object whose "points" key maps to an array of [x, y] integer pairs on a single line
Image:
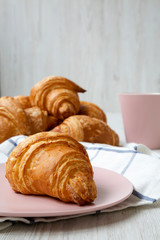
{"points": [[141, 118]]}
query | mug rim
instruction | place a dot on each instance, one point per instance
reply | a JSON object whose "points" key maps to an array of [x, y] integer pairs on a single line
{"points": [[139, 94]]}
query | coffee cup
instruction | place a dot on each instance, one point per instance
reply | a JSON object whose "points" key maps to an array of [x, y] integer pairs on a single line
{"points": [[141, 118]]}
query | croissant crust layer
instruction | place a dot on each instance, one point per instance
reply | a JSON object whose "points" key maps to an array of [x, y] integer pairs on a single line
{"points": [[92, 110], [57, 95], [13, 120], [87, 129], [52, 164]]}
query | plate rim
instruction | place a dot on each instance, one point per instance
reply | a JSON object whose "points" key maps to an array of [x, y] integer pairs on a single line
{"points": [[86, 209]]}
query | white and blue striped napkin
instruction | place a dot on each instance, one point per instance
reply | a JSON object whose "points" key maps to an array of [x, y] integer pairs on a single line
{"points": [[136, 162]]}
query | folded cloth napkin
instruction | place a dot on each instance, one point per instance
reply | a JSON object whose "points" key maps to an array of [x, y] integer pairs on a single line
{"points": [[136, 162]]}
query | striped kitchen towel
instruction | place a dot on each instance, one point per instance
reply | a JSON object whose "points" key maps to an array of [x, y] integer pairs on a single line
{"points": [[136, 162]]}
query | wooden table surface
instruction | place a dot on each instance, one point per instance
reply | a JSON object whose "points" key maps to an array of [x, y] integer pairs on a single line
{"points": [[132, 223]]}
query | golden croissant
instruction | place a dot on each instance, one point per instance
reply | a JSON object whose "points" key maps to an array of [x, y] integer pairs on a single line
{"points": [[23, 100], [13, 120], [39, 120], [52, 164], [88, 129], [92, 110], [57, 95]]}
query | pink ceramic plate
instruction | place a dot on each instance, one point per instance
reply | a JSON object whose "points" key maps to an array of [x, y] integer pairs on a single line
{"points": [[112, 189]]}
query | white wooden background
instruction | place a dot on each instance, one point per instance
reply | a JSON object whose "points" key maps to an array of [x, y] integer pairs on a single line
{"points": [[106, 46]]}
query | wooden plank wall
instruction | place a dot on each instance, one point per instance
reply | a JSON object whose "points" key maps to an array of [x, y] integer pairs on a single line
{"points": [[105, 46]]}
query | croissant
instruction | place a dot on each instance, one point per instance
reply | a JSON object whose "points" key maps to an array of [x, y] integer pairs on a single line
{"points": [[57, 95], [39, 120], [87, 129], [92, 110], [13, 120], [52, 164], [23, 100]]}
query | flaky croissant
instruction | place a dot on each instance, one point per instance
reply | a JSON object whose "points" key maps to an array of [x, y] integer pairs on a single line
{"points": [[92, 110], [23, 100], [57, 95], [13, 120], [39, 120], [52, 164], [88, 129]]}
